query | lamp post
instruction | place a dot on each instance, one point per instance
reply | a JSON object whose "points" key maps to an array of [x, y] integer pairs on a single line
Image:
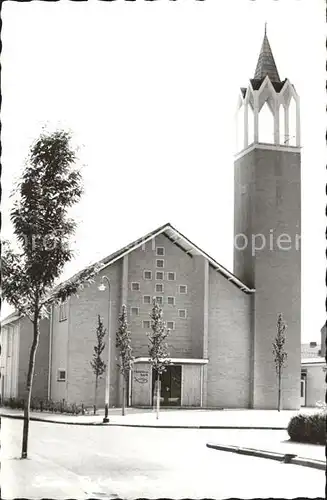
{"points": [[102, 287]]}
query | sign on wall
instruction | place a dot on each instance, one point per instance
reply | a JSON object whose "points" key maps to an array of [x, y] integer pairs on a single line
{"points": [[141, 376]]}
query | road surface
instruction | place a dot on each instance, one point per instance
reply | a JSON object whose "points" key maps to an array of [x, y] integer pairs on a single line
{"points": [[116, 462]]}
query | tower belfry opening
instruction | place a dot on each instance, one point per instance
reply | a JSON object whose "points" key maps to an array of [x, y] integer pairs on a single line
{"points": [[266, 93]]}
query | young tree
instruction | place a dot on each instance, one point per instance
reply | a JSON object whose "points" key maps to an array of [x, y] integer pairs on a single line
{"points": [[158, 347], [49, 186], [124, 344], [97, 363], [279, 353]]}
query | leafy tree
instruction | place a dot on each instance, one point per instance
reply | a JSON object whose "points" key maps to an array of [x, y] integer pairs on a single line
{"points": [[49, 186], [97, 363], [158, 347], [124, 344], [279, 353]]}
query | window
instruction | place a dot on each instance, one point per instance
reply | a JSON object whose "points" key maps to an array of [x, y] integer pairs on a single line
{"points": [[171, 301], [146, 324], [147, 275], [146, 299], [182, 289], [159, 275], [159, 287], [61, 375], [182, 313], [160, 251], [171, 325], [134, 311], [63, 312], [159, 300], [160, 263], [171, 276], [135, 287]]}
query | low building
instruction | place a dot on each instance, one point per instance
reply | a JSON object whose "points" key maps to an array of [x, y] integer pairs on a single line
{"points": [[313, 372], [16, 342]]}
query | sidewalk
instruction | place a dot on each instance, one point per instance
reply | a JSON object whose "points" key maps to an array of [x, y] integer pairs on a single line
{"points": [[271, 441], [197, 418]]}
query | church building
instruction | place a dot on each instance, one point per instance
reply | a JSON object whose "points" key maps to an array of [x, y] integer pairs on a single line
{"points": [[222, 324]]}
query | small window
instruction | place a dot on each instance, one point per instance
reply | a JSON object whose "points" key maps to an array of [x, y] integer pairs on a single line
{"points": [[61, 376], [171, 301], [171, 325], [182, 313], [182, 289], [147, 275], [313, 344], [171, 276], [135, 287], [135, 311], [159, 275], [160, 251], [159, 288], [160, 263], [146, 299], [63, 312], [159, 300], [146, 324]]}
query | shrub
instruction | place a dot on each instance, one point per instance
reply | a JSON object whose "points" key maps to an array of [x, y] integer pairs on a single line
{"points": [[308, 428], [44, 405]]}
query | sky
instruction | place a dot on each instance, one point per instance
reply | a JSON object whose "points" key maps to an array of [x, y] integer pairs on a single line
{"points": [[149, 91]]}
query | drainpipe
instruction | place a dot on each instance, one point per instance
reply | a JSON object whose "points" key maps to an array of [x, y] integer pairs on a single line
{"points": [[130, 388], [50, 354], [201, 386]]}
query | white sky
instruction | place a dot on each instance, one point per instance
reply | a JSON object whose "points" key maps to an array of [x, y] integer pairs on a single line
{"points": [[149, 90]]}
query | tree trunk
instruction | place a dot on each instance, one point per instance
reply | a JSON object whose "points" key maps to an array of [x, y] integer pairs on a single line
{"points": [[158, 394], [123, 402], [279, 387], [31, 365], [95, 395]]}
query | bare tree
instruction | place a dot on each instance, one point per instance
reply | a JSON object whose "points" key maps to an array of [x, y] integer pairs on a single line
{"points": [[97, 363], [279, 353], [158, 347], [124, 344]]}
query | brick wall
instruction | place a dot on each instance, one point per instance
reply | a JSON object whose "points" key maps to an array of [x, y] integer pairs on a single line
{"points": [[144, 258], [229, 344], [82, 338], [277, 275], [59, 353], [41, 372]]}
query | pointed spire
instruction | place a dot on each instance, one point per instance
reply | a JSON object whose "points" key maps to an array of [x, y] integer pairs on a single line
{"points": [[266, 63]]}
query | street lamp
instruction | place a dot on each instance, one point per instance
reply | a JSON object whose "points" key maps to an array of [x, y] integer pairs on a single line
{"points": [[102, 288]]}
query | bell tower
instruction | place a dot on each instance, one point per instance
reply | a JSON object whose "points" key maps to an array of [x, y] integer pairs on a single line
{"points": [[267, 224]]}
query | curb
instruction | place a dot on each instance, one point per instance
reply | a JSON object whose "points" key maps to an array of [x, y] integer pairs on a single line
{"points": [[94, 424], [286, 458]]}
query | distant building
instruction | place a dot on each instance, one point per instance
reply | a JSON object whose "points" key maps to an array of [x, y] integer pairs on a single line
{"points": [[222, 324], [313, 371]]}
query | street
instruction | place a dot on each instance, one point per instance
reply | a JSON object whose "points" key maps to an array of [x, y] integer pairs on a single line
{"points": [[111, 462]]}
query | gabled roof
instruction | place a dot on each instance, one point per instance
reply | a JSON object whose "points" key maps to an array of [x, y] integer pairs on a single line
{"points": [[266, 63], [178, 239], [11, 318]]}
